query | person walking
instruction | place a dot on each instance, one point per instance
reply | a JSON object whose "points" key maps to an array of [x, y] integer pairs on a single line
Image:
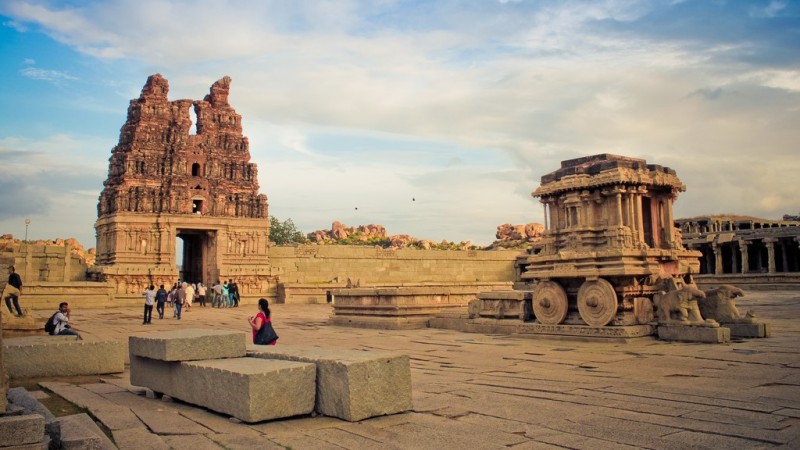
{"points": [[225, 295], [61, 322], [201, 294], [180, 299], [234, 289], [217, 288], [161, 297], [149, 300], [13, 291], [190, 291]]}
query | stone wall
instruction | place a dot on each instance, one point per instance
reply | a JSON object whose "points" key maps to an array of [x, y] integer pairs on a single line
{"points": [[376, 266], [43, 261], [305, 273]]}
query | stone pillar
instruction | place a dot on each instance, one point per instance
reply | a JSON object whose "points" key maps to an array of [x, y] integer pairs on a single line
{"points": [[669, 220], [745, 260], [546, 223], [717, 258], [733, 259], [67, 261], [770, 243], [785, 258], [619, 207], [637, 209], [29, 264]]}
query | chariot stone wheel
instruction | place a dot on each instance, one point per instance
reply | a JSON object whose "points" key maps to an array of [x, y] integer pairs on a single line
{"points": [[597, 302], [549, 303]]}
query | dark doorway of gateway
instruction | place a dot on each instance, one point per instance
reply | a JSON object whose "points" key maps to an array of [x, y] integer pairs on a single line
{"points": [[190, 254]]}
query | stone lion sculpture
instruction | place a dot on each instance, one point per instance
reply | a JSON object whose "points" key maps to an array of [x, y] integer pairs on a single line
{"points": [[474, 308], [680, 306], [718, 304]]}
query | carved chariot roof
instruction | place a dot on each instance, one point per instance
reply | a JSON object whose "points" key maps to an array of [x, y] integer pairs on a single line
{"points": [[607, 170]]}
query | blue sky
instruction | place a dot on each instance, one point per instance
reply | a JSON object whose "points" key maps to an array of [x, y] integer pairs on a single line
{"points": [[461, 105]]}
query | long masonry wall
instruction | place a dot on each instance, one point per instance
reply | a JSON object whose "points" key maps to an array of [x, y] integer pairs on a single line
{"points": [[305, 273]]}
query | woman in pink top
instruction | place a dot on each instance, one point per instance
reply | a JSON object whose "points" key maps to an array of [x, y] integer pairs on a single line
{"points": [[261, 319]]}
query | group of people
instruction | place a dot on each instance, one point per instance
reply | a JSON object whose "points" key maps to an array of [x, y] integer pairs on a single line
{"points": [[183, 295], [222, 295]]}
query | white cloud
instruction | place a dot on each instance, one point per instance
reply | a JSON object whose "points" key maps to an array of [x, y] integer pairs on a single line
{"points": [[535, 86], [46, 75]]}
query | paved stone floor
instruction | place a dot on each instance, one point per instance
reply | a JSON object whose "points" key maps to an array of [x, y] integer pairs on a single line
{"points": [[476, 391]]}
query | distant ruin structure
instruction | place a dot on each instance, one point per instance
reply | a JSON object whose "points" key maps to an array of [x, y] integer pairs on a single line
{"points": [[733, 244], [168, 182], [610, 244]]}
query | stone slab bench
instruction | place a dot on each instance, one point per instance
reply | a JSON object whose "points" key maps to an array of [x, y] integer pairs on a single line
{"points": [[249, 389], [46, 356], [351, 385], [190, 344]]}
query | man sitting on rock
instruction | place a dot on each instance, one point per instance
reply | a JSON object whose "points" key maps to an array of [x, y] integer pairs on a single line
{"points": [[61, 321]]}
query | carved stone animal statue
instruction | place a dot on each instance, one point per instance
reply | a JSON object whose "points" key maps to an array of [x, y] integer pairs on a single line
{"points": [[474, 308], [680, 306], [719, 305]]}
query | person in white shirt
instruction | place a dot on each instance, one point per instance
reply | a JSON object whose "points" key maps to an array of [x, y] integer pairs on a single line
{"points": [[61, 321], [149, 300], [189, 295], [201, 294]]}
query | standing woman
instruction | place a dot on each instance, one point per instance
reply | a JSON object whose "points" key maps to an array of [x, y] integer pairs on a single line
{"points": [[261, 323]]}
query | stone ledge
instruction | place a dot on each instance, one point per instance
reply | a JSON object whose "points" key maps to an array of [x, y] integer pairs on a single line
{"points": [[191, 344], [748, 330], [250, 389], [537, 330], [46, 356], [685, 333], [351, 385]]}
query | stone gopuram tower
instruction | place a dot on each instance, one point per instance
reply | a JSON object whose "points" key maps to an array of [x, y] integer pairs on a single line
{"points": [[167, 183]]}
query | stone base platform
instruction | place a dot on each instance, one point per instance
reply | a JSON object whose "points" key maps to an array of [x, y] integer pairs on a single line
{"points": [[537, 330], [351, 385], [48, 356], [748, 330], [686, 333], [249, 389], [383, 323]]}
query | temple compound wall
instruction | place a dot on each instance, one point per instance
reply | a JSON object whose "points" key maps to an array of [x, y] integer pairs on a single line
{"points": [[167, 183], [307, 273], [746, 247]]}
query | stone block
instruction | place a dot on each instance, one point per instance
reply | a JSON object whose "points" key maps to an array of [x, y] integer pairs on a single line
{"points": [[684, 333], [80, 432], [19, 396], [21, 430], [748, 330], [351, 385], [49, 356], [189, 345], [249, 389]]}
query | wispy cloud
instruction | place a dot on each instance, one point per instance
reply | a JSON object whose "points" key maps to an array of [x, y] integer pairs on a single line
{"points": [[54, 76]]}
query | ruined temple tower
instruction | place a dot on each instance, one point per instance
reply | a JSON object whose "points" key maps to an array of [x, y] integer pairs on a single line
{"points": [[167, 182]]}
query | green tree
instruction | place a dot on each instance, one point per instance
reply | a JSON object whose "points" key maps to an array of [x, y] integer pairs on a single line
{"points": [[285, 232]]}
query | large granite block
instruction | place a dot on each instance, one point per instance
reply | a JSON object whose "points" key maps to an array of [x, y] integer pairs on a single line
{"points": [[249, 389], [47, 356], [189, 345], [684, 333], [20, 430], [351, 385]]}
